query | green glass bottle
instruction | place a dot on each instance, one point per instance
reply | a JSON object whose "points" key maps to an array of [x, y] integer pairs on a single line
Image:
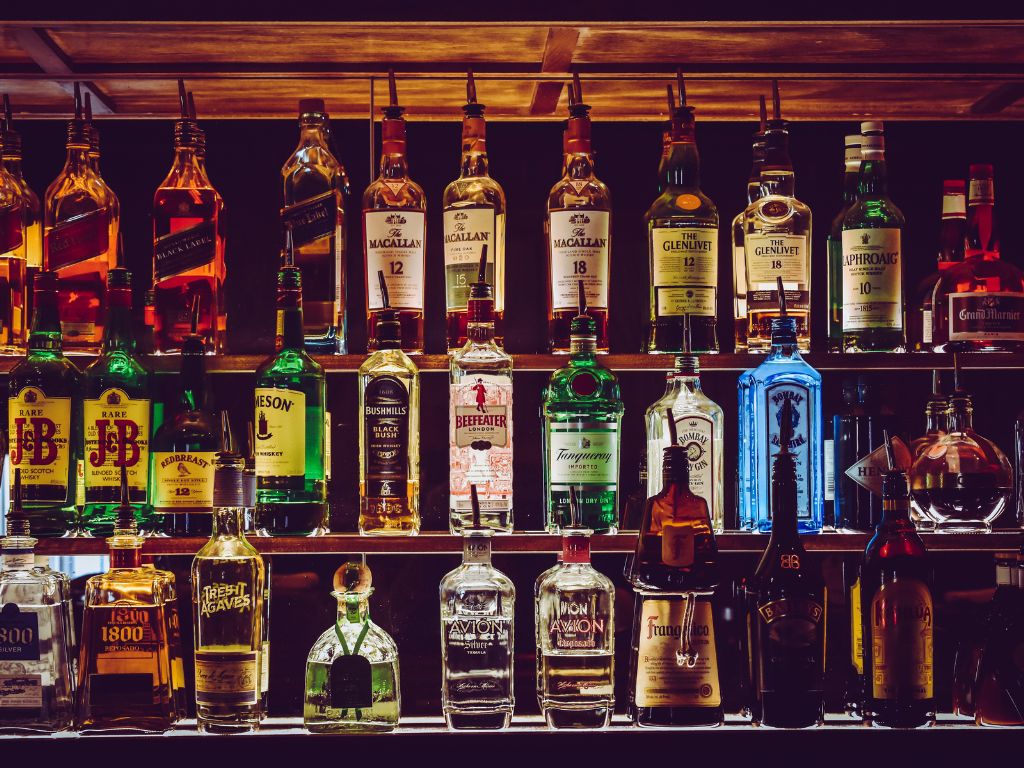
{"points": [[42, 410], [582, 412], [291, 492]]}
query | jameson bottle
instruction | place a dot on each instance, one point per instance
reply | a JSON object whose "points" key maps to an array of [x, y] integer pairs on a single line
{"points": [[834, 241], [682, 227], [291, 494], [42, 418]]}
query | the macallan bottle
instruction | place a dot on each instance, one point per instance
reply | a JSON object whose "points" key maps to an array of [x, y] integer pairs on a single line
{"points": [[32, 222], [394, 234], [579, 233]]}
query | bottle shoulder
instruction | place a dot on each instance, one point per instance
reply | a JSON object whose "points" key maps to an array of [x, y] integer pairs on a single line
{"points": [[384, 194], [289, 362], [486, 358], [39, 367], [228, 548], [117, 368], [674, 208], [473, 192], [873, 213], [470, 578], [393, 362], [574, 577]]}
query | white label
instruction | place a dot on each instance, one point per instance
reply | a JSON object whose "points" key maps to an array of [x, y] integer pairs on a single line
{"points": [[580, 245], [686, 301], [830, 471], [926, 326], [954, 207], [661, 680], [872, 279], [394, 246], [981, 191], [684, 270], [579, 455], [775, 255], [18, 561], [21, 691], [480, 441], [800, 442], [466, 231], [695, 432]]}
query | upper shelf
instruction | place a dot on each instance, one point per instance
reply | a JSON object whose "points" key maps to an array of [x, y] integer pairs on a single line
{"points": [[828, 70]]}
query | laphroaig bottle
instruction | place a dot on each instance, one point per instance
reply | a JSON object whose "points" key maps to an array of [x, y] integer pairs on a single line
{"points": [[851, 177], [739, 257]]}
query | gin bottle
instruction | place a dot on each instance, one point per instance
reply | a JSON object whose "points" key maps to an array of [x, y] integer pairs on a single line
{"points": [[477, 642], [739, 257], [352, 683], [480, 418]]}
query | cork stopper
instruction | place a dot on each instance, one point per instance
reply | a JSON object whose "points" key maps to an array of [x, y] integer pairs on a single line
{"points": [[353, 577]]}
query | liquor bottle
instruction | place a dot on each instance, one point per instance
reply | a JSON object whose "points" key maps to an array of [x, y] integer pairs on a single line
{"points": [[42, 414], [480, 417], [116, 415], [395, 234], [185, 445], [315, 185], [633, 505], [777, 243], [978, 305], [786, 611], [782, 376], [674, 670], [389, 431], [188, 245], [834, 241], [579, 229], [32, 223], [952, 232], [352, 683], [477, 635], [576, 636], [682, 231], [739, 257], [999, 687], [936, 413], [227, 608], [36, 632], [291, 494], [474, 215], [14, 242], [897, 614], [582, 411], [124, 669]]}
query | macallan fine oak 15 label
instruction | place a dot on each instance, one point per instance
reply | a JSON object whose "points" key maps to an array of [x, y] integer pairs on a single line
{"points": [[116, 435], [661, 681], [280, 432], [685, 264], [466, 229], [872, 279], [39, 429], [394, 246], [579, 252]]}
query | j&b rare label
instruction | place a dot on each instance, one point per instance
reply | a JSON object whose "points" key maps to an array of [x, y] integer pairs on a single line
{"points": [[116, 435], [39, 430]]}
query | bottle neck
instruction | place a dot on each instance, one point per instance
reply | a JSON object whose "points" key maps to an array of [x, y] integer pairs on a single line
{"points": [[583, 347], [681, 166], [777, 171], [675, 470], [192, 382], [896, 513], [576, 548], [579, 165], [125, 556], [784, 500], [45, 333], [851, 183], [78, 160], [393, 162], [936, 416], [476, 547], [312, 133], [872, 182], [228, 522], [474, 147], [961, 415], [353, 608], [480, 333], [117, 335], [289, 310], [688, 382], [13, 165]]}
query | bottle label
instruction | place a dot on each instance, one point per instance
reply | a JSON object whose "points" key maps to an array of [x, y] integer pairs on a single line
{"points": [[227, 678], [39, 429], [870, 471], [981, 191], [792, 622], [769, 256], [800, 442], [580, 247], [19, 634], [830, 470], [18, 559], [183, 479], [661, 680], [954, 206], [872, 279], [129, 645], [219, 597], [78, 239], [480, 436], [12, 233], [926, 326], [386, 437], [695, 432], [116, 435], [977, 316], [901, 641], [578, 626], [265, 666], [856, 628], [684, 264], [280, 432], [677, 545], [351, 682], [478, 650], [465, 231], [312, 219], [394, 245], [583, 453], [476, 550], [21, 692], [191, 244]]}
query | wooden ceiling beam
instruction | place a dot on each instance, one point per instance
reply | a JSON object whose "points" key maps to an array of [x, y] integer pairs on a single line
{"points": [[998, 99], [50, 58], [559, 48]]}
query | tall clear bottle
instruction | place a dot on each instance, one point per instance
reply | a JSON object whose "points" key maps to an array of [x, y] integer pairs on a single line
{"points": [[14, 242], [739, 256], [834, 241], [32, 223]]}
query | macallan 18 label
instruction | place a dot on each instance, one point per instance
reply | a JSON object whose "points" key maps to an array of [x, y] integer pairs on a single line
{"points": [[684, 264], [394, 245], [116, 435], [800, 441], [466, 230], [39, 430], [661, 681], [280, 432], [183, 479], [975, 316], [872, 279], [901, 623], [580, 248], [480, 436]]}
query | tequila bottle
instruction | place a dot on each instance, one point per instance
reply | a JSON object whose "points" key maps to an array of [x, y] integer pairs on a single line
{"points": [[739, 256], [474, 215], [42, 418], [477, 641], [480, 417], [291, 493], [352, 683], [32, 222], [582, 411], [14, 237], [834, 242], [315, 185]]}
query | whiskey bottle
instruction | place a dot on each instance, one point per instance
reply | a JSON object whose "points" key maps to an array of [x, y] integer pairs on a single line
{"points": [[227, 607], [116, 416], [582, 411], [477, 635], [834, 241], [315, 185], [579, 234], [998, 690], [15, 215], [474, 215], [777, 243], [786, 611], [480, 417], [184, 446], [952, 233], [352, 682], [739, 257], [395, 234], [80, 239], [682, 227], [291, 493], [32, 223], [389, 431], [94, 162]]}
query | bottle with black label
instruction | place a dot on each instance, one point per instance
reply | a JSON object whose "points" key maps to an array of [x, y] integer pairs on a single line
{"points": [[389, 431]]}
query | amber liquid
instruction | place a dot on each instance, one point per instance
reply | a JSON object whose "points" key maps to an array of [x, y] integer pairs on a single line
{"points": [[389, 516], [13, 298], [558, 328], [458, 321], [411, 321]]}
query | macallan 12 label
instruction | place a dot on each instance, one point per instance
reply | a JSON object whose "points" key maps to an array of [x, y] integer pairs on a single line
{"points": [[39, 430], [872, 279], [480, 440], [394, 245], [280, 432], [183, 479], [580, 242], [116, 435], [661, 681]]}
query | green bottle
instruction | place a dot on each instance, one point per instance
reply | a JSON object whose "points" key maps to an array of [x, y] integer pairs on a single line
{"points": [[291, 491], [582, 412], [42, 418]]}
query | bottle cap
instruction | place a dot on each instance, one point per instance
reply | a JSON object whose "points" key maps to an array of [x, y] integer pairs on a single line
{"points": [[353, 577], [954, 187], [312, 107], [852, 140], [872, 128], [981, 170]]}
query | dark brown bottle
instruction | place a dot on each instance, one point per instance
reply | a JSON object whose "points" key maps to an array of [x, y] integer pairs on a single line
{"points": [[998, 691]]}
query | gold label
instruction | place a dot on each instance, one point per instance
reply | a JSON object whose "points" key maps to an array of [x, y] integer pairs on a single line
{"points": [[116, 435], [39, 428], [775, 255], [280, 432], [901, 641], [856, 628], [661, 680], [183, 479], [227, 677]]}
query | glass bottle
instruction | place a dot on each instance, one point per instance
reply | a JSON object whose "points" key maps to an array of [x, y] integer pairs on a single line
{"points": [[36, 633], [952, 231], [227, 608], [14, 240], [116, 410], [682, 231], [291, 494], [936, 413], [352, 683], [480, 417], [394, 234], [477, 635], [32, 223], [739, 257], [834, 242], [315, 185], [999, 687], [582, 411], [474, 215], [42, 418], [579, 234]]}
